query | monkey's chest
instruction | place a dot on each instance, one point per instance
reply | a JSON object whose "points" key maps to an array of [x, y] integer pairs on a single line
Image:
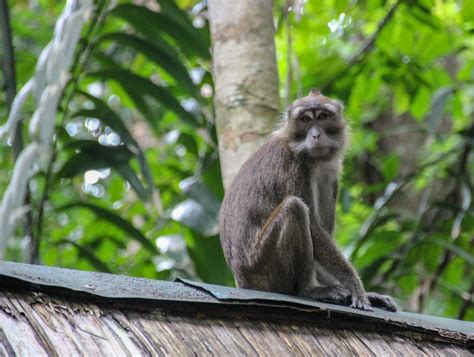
{"points": [[322, 199]]}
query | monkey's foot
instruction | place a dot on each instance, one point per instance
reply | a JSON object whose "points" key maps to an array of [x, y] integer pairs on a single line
{"points": [[336, 294], [383, 301], [361, 302]]}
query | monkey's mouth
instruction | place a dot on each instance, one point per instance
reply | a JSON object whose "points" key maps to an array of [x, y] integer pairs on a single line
{"points": [[315, 150], [321, 152]]}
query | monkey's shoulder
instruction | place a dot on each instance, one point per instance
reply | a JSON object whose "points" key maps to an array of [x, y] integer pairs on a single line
{"points": [[269, 175], [274, 156], [273, 164]]}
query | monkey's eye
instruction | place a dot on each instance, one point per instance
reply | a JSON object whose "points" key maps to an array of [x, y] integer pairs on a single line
{"points": [[305, 119], [323, 115]]}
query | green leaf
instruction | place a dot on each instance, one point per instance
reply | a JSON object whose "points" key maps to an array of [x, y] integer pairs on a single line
{"points": [[212, 176], [153, 24], [170, 8], [189, 142], [116, 220], [381, 244], [424, 16], [409, 283], [374, 221], [463, 254], [402, 99], [78, 164], [128, 174], [467, 10], [93, 155], [208, 258], [169, 62], [138, 88], [87, 254], [108, 117], [341, 5], [390, 167], [120, 243], [119, 153], [92, 148], [193, 214], [325, 72], [421, 103], [197, 190], [372, 270]]}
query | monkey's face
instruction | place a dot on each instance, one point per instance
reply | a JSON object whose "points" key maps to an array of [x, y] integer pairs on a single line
{"points": [[316, 126]]}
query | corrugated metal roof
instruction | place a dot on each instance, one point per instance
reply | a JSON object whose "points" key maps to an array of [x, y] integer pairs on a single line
{"points": [[185, 295], [426, 322]]}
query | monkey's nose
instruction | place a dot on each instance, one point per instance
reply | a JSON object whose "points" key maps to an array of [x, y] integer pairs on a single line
{"points": [[316, 135]]}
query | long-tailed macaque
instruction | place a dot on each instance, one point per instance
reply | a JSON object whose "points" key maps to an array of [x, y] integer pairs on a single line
{"points": [[277, 219]]}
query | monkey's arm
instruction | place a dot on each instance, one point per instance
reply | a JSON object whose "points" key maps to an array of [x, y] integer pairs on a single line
{"points": [[333, 262], [331, 259], [328, 216], [324, 277]]}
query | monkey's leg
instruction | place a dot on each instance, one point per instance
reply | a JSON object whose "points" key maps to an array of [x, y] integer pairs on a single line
{"points": [[335, 294], [383, 301], [282, 258]]}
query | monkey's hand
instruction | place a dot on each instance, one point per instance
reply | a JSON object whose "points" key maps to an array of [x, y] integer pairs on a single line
{"points": [[383, 301], [361, 301]]}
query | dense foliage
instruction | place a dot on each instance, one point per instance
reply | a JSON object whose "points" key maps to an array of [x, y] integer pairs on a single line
{"points": [[405, 70], [134, 185]]}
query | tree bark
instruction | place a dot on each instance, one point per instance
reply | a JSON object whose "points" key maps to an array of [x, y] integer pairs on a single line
{"points": [[245, 76]]}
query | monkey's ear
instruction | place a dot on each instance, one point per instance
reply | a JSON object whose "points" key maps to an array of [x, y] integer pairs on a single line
{"points": [[314, 91], [340, 105]]}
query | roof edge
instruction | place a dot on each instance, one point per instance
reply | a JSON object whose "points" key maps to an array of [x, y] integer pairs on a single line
{"points": [[185, 294]]}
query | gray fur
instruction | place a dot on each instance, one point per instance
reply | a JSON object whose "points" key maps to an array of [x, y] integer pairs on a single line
{"points": [[277, 217]]}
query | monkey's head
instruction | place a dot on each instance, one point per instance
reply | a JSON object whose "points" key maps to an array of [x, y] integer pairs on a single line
{"points": [[315, 127]]}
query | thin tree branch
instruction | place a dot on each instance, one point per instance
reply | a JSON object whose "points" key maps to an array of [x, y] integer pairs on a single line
{"points": [[467, 303], [431, 282], [43, 199], [367, 45], [78, 68], [370, 41], [447, 256], [402, 182]]}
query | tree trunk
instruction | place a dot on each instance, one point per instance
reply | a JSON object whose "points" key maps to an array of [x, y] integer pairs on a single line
{"points": [[246, 79]]}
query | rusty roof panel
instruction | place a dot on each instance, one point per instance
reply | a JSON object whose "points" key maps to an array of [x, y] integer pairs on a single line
{"points": [[102, 284], [426, 322], [191, 294]]}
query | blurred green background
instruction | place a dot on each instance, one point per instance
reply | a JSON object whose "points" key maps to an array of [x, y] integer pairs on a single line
{"points": [[134, 186]]}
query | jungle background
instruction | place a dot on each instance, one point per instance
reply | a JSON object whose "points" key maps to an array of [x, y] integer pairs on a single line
{"points": [[134, 183]]}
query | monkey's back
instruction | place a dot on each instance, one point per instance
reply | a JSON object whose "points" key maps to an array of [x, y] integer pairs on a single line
{"points": [[265, 179]]}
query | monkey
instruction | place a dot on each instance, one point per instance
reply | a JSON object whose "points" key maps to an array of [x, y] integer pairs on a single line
{"points": [[277, 218]]}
